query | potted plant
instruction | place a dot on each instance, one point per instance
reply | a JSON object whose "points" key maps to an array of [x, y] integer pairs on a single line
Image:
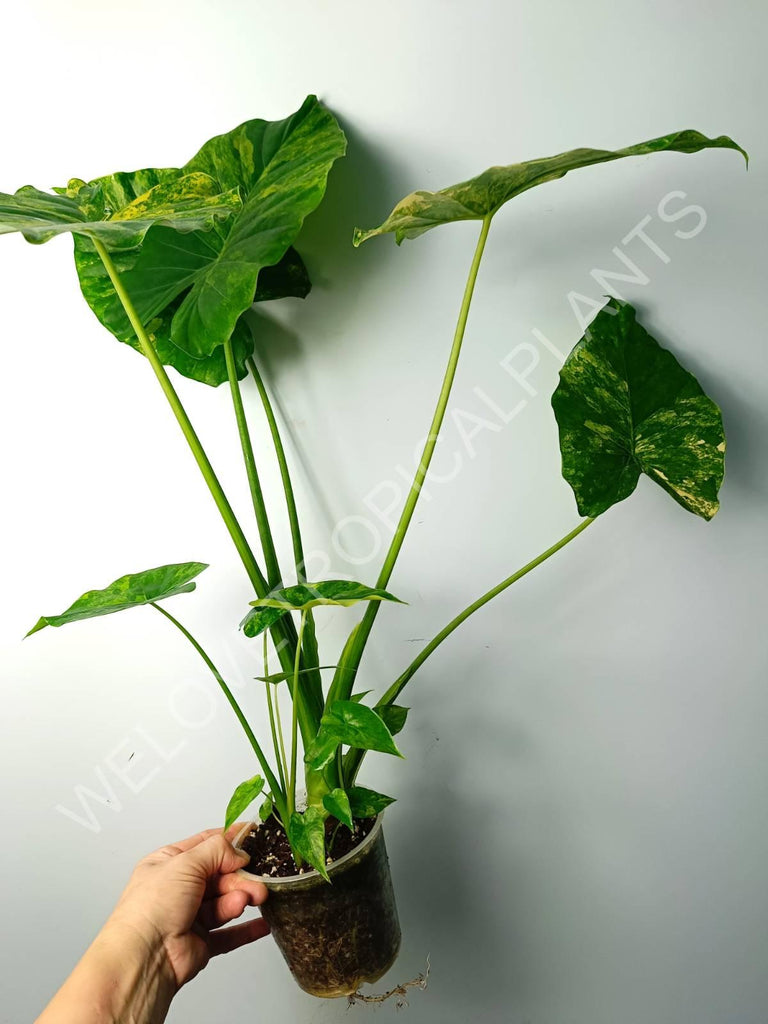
{"points": [[170, 260]]}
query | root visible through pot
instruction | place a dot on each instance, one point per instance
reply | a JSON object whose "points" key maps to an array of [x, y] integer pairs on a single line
{"points": [[420, 981]]}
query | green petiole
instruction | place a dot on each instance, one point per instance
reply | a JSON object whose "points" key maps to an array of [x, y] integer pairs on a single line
{"points": [[354, 758], [343, 681], [269, 775]]}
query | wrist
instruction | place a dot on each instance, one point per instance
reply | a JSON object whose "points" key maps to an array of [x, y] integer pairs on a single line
{"points": [[123, 978]]}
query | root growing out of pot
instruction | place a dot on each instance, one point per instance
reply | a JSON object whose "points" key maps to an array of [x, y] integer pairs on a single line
{"points": [[401, 991]]}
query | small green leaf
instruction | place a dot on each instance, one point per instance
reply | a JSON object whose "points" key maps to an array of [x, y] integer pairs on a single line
{"points": [[357, 697], [477, 198], [335, 592], [265, 811], [280, 677], [190, 202], [128, 592], [393, 716], [259, 619], [354, 724], [337, 803], [625, 406], [300, 598], [367, 803], [242, 798], [307, 835]]}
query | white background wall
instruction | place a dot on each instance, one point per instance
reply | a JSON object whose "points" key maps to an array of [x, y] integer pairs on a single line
{"points": [[581, 835]]}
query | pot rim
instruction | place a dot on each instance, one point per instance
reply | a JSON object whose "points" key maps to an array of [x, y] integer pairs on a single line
{"points": [[281, 881]]}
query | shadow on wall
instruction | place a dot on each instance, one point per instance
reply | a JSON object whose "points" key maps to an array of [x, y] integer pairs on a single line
{"points": [[362, 188], [449, 906]]}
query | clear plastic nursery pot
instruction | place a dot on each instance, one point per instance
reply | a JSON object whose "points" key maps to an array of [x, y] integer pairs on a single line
{"points": [[335, 936]]}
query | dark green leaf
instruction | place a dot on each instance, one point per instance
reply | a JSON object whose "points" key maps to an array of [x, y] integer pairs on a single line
{"points": [[477, 198], [625, 406], [286, 279], [357, 697], [337, 803], [307, 835], [366, 803], [393, 717], [242, 798], [356, 725], [187, 202], [128, 592]]}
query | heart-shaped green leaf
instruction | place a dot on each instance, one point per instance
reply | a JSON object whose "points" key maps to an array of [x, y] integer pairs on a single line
{"points": [[186, 202], [242, 798], [367, 803], [337, 803], [625, 406], [300, 598], [307, 836], [353, 724], [484, 195], [128, 592]]}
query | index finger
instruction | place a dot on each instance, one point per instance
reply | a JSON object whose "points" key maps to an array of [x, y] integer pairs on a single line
{"points": [[192, 841]]}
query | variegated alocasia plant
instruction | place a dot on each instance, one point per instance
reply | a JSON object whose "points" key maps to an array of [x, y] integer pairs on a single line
{"points": [[170, 260]]}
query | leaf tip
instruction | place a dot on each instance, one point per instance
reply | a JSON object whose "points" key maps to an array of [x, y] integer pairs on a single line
{"points": [[40, 624]]}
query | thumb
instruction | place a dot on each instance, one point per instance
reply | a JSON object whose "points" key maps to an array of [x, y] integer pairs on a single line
{"points": [[214, 856]]}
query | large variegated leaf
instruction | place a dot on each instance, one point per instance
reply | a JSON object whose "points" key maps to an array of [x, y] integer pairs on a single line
{"points": [[187, 202], [128, 592], [625, 406], [280, 169], [189, 291], [477, 198]]}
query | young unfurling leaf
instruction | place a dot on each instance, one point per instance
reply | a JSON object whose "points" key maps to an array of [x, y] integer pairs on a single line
{"points": [[242, 798]]}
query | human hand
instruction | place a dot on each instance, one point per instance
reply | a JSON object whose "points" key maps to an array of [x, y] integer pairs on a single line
{"points": [[163, 931], [180, 897]]}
